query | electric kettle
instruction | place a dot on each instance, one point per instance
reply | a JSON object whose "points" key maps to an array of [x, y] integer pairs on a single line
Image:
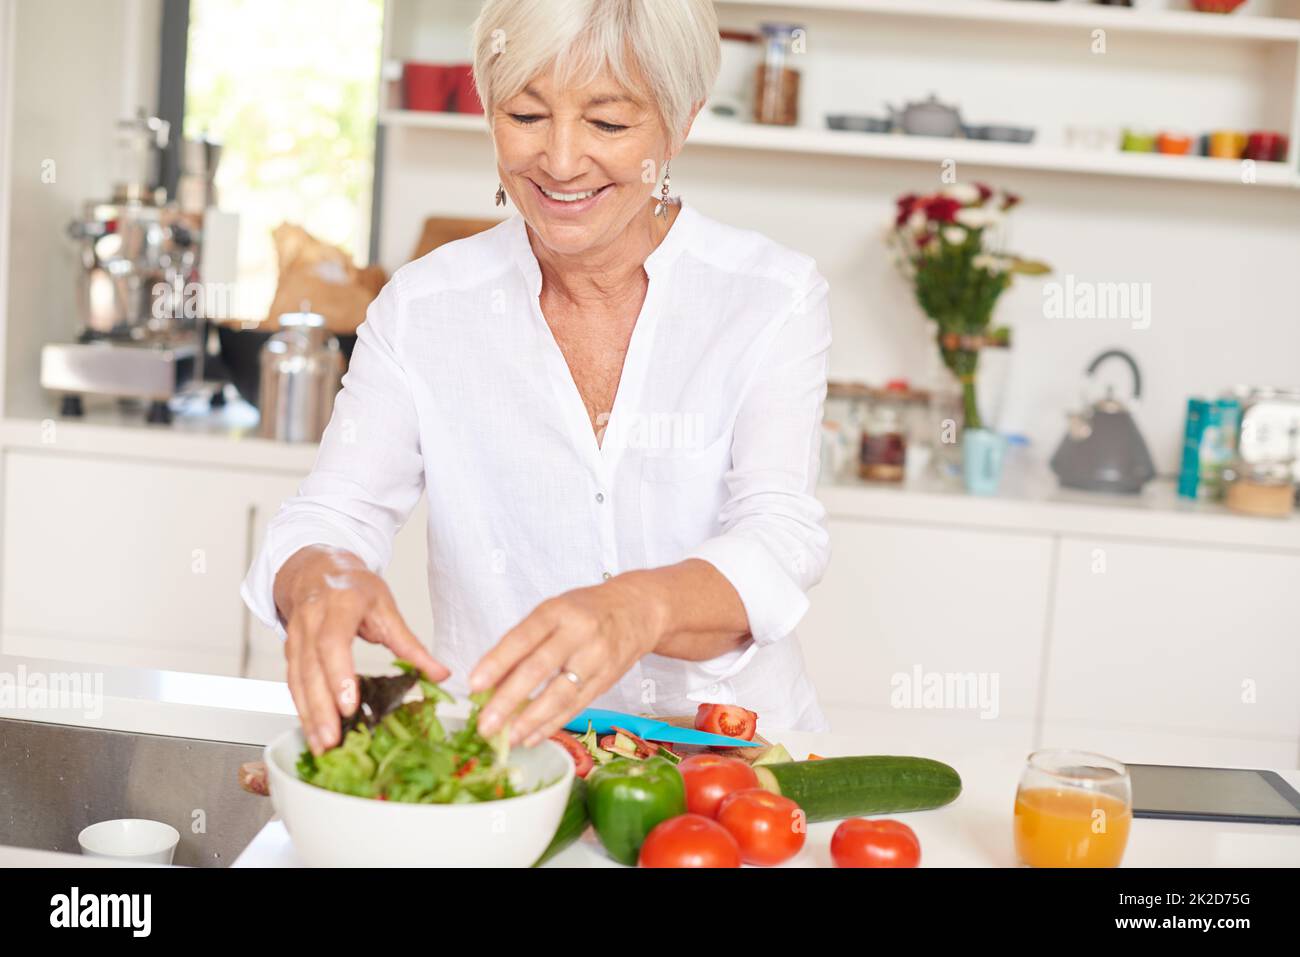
{"points": [[1102, 450]]}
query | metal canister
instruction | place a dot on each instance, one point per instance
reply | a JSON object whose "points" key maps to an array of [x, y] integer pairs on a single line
{"points": [[302, 371]]}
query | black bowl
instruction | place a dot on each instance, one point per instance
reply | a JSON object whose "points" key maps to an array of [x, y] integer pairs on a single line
{"points": [[241, 354]]}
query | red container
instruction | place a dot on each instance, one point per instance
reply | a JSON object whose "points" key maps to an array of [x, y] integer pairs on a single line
{"points": [[465, 97], [1265, 146], [428, 86]]}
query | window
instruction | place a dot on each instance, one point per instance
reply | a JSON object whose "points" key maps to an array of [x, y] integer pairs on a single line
{"points": [[290, 89]]}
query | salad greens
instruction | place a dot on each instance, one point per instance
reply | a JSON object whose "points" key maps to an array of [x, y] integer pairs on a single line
{"points": [[407, 756]]}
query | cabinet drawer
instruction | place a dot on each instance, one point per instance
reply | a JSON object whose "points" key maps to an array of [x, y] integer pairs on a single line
{"points": [[123, 562], [953, 605], [1182, 639]]}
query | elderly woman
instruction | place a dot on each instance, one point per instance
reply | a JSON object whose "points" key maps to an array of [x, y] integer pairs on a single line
{"points": [[612, 401]]}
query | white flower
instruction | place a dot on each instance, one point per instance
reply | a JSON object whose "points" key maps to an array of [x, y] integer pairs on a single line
{"points": [[962, 192], [955, 235], [916, 222], [993, 264], [978, 218]]}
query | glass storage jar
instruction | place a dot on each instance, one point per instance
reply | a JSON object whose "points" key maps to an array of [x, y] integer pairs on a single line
{"points": [[885, 429], [776, 93]]}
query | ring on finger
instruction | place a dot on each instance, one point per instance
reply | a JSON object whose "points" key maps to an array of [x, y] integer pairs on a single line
{"points": [[572, 677]]}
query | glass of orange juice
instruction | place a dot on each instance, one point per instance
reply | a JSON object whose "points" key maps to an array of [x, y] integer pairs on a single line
{"points": [[1073, 809]]}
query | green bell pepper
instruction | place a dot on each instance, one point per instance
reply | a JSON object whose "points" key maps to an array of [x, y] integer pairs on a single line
{"points": [[626, 798]]}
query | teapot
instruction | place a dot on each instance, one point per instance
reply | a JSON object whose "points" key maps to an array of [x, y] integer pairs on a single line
{"points": [[1103, 450], [927, 117]]}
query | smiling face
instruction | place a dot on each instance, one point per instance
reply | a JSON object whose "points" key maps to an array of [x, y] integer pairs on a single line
{"points": [[575, 160]]}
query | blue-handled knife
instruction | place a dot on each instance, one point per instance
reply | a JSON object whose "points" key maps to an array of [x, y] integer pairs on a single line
{"points": [[652, 729]]}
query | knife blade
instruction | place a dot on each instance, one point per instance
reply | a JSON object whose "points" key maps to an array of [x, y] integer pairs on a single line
{"points": [[652, 729]]}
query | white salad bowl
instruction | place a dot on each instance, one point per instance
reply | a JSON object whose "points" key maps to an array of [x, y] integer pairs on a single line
{"points": [[338, 830]]}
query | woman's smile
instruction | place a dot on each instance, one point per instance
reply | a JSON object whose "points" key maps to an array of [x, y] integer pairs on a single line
{"points": [[570, 202]]}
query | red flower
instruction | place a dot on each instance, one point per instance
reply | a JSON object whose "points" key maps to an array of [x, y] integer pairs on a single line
{"points": [[985, 192], [905, 206], [941, 209], [1009, 200]]}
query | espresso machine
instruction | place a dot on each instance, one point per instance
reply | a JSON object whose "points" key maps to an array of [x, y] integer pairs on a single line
{"points": [[140, 298]]}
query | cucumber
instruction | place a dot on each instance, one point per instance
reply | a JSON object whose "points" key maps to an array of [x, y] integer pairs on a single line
{"points": [[671, 756], [833, 788], [572, 824], [776, 754]]}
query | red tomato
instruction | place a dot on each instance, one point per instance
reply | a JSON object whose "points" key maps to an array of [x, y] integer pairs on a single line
{"points": [[711, 777], [583, 762], [769, 828], [689, 840], [729, 719], [467, 767], [858, 842]]}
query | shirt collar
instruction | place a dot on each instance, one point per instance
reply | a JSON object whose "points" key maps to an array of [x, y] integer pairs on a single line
{"points": [[660, 257]]}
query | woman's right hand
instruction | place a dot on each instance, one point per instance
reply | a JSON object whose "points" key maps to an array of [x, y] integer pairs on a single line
{"points": [[328, 597]]}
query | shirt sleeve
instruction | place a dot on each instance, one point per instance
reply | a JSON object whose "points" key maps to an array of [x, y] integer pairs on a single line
{"points": [[774, 545], [369, 472]]}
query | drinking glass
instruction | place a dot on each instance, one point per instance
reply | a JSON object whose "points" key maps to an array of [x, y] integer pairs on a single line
{"points": [[1073, 809]]}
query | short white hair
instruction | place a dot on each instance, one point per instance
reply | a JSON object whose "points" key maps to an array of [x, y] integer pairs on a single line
{"points": [[674, 43]]}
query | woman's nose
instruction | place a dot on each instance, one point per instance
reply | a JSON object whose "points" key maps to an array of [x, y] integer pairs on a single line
{"points": [[566, 149]]}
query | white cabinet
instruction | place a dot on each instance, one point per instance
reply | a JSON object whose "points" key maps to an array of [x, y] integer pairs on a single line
{"points": [[139, 563], [966, 608], [1176, 639], [926, 623], [119, 562], [1151, 651]]}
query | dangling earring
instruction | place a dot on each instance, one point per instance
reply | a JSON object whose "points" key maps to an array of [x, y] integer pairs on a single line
{"points": [[661, 207], [501, 195]]}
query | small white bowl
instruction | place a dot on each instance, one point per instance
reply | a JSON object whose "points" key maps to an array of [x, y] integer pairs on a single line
{"points": [[338, 830], [130, 839]]}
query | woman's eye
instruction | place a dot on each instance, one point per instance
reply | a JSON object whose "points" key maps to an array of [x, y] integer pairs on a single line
{"points": [[525, 118], [608, 127]]}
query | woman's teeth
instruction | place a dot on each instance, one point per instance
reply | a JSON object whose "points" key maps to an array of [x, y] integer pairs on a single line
{"points": [[569, 197]]}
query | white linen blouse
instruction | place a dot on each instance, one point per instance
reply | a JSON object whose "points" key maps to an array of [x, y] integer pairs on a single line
{"points": [[457, 388]]}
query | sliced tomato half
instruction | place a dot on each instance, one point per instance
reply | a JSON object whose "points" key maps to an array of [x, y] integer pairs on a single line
{"points": [[729, 719], [583, 762]]}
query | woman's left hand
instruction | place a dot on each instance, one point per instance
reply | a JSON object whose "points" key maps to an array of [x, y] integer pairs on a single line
{"points": [[593, 635]]}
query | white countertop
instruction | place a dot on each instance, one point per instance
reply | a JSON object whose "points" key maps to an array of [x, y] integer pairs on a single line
{"points": [[1029, 503], [1035, 503], [974, 831], [197, 436], [145, 701]]}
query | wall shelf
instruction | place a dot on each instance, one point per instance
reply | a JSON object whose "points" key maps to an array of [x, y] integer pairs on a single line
{"points": [[921, 149], [1057, 16], [422, 119]]}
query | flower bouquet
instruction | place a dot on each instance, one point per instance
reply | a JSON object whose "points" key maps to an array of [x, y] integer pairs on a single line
{"points": [[948, 246]]}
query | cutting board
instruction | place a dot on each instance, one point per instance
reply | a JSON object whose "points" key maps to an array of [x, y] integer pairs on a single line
{"points": [[438, 230], [748, 755]]}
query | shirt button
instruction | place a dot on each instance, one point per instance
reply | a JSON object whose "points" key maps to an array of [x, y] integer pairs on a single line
{"points": [[606, 575], [600, 497]]}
